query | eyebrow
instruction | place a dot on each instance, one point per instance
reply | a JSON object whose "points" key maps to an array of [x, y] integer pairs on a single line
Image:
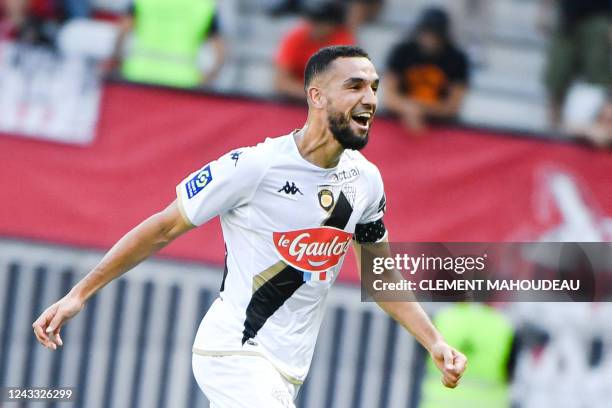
{"points": [[355, 81]]}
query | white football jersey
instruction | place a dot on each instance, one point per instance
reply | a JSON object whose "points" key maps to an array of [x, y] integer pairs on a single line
{"points": [[287, 225]]}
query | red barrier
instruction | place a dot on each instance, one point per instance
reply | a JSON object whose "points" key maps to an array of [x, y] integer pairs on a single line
{"points": [[448, 185]]}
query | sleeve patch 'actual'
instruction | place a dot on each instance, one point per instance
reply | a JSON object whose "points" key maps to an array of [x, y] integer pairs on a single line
{"points": [[198, 182]]}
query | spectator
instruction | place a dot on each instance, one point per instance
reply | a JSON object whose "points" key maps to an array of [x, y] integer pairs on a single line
{"points": [[427, 74], [580, 47], [358, 11], [13, 15], [33, 21], [168, 35], [598, 134], [324, 26]]}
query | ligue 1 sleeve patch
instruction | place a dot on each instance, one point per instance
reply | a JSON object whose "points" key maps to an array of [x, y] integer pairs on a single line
{"points": [[198, 182]]}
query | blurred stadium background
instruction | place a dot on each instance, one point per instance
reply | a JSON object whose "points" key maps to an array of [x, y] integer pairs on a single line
{"points": [[85, 155]]}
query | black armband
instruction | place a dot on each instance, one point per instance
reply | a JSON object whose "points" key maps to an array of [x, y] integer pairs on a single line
{"points": [[370, 232]]}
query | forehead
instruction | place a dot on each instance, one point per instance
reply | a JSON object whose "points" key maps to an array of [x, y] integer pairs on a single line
{"points": [[353, 67]]}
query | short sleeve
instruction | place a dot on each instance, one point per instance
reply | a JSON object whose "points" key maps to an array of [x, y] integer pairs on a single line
{"points": [[221, 185], [371, 228], [377, 201], [460, 72], [396, 62]]}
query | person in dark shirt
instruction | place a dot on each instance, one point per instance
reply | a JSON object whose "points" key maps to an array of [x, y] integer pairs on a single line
{"points": [[427, 75], [579, 47]]}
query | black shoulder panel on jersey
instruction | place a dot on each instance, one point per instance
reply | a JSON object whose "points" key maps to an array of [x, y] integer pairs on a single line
{"points": [[341, 213], [370, 232], [268, 298]]}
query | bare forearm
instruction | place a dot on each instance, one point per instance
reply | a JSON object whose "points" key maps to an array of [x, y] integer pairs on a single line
{"points": [[137, 245], [414, 319], [407, 312]]}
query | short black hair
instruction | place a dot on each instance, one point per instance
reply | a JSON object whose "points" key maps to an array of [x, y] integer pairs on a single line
{"points": [[321, 60]]}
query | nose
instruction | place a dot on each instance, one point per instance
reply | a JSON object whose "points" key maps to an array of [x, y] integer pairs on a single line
{"points": [[369, 99]]}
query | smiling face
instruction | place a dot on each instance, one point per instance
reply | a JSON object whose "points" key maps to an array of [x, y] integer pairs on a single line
{"points": [[348, 90]]}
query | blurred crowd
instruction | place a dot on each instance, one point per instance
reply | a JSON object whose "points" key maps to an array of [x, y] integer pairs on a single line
{"points": [[427, 72]]}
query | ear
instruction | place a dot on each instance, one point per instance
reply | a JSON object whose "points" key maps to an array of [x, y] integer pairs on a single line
{"points": [[315, 97]]}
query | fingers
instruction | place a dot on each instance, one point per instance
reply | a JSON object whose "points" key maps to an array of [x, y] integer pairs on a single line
{"points": [[54, 336], [47, 326], [450, 379], [460, 364], [40, 334], [449, 358], [452, 373], [448, 383], [56, 324]]}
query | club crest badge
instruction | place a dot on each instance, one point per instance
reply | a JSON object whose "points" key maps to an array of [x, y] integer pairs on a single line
{"points": [[326, 199]]}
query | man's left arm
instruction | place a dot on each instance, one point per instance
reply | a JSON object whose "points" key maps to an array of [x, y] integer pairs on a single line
{"points": [[413, 318]]}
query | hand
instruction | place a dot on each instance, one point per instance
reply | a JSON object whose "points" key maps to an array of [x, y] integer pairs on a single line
{"points": [[48, 325], [599, 135], [413, 116], [450, 362]]}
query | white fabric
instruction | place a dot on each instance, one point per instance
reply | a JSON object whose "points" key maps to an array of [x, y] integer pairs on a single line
{"points": [[271, 202], [242, 382]]}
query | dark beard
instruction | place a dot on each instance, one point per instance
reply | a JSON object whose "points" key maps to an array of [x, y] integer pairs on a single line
{"points": [[341, 129]]}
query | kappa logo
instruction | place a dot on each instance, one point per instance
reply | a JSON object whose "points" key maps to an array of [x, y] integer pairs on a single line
{"points": [[290, 189], [235, 156]]}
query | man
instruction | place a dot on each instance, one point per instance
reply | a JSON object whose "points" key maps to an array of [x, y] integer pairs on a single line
{"points": [[168, 35], [427, 75], [34, 22], [324, 26], [289, 208], [579, 47]]}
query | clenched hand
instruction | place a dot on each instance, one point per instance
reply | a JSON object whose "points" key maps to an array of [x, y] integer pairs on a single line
{"points": [[450, 362]]}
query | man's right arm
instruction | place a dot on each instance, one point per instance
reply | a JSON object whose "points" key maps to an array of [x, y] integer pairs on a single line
{"points": [[137, 245]]}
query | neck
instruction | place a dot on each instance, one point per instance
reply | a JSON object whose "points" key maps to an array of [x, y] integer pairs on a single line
{"points": [[317, 144]]}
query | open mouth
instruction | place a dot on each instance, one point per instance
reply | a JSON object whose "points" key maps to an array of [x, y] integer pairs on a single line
{"points": [[362, 119]]}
